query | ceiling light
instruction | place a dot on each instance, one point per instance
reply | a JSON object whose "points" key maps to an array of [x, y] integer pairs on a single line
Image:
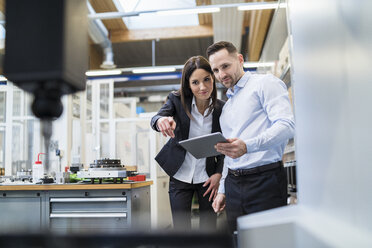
{"points": [[160, 77], [262, 5], [258, 64], [153, 69], [103, 72], [187, 11]]}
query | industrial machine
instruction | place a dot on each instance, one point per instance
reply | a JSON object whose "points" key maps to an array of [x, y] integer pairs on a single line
{"points": [[46, 54], [105, 169]]}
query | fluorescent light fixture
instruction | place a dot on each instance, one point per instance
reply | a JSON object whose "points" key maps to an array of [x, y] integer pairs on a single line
{"points": [[2, 78], [262, 5], [258, 64], [187, 11], [160, 77], [154, 69], [103, 72]]}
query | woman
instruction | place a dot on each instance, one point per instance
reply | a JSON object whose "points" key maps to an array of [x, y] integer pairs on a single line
{"points": [[190, 112]]}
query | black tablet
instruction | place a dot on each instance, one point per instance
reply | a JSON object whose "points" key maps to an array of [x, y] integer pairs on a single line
{"points": [[203, 146]]}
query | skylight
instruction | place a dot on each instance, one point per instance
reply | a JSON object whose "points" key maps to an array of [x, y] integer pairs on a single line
{"points": [[152, 20]]}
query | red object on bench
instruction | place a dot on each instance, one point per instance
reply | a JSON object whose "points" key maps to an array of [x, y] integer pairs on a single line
{"points": [[138, 178]]}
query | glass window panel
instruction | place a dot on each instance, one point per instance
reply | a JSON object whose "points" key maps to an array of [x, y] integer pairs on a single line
{"points": [[105, 140], [28, 102], [76, 141], [160, 142], [104, 101], [89, 102], [143, 146], [124, 109], [143, 152], [125, 142], [23, 145], [2, 106], [76, 106], [90, 145], [17, 103], [152, 20], [132, 144], [2, 147]]}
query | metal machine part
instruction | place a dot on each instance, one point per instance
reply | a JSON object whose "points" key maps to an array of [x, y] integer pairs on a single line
{"points": [[47, 128], [24, 173], [105, 169], [15, 180], [76, 167]]}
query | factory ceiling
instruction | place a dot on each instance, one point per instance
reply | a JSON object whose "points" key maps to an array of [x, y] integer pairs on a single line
{"points": [[174, 45]]}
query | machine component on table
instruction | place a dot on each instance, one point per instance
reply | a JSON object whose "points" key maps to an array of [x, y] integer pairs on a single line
{"points": [[104, 169], [24, 174], [74, 168], [15, 180], [47, 179]]}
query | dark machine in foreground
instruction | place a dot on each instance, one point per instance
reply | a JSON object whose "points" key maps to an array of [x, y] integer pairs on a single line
{"points": [[46, 53]]}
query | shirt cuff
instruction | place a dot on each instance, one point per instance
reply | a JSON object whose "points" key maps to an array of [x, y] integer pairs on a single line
{"points": [[221, 188], [155, 126], [251, 145]]}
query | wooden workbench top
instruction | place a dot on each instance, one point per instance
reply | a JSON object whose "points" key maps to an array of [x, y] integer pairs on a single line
{"points": [[75, 186]]}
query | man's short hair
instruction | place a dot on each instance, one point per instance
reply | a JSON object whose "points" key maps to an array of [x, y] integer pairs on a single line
{"points": [[219, 46]]}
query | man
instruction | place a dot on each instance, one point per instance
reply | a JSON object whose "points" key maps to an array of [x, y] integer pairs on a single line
{"points": [[257, 119]]}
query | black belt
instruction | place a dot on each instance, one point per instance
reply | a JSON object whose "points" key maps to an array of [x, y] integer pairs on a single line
{"points": [[255, 170]]}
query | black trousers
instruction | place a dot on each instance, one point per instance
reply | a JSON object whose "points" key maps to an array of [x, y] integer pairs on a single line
{"points": [[253, 193], [180, 196]]}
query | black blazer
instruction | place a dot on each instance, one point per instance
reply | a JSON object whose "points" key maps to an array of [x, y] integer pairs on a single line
{"points": [[172, 155]]}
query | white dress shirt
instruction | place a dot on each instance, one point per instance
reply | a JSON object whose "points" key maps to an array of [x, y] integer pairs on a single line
{"points": [[258, 112], [193, 170]]}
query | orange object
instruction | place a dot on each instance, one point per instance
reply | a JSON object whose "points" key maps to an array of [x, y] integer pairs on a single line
{"points": [[138, 178]]}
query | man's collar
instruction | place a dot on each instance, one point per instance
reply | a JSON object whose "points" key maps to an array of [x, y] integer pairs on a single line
{"points": [[240, 84]]}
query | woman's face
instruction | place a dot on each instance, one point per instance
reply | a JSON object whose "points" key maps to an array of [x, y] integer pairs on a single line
{"points": [[201, 84]]}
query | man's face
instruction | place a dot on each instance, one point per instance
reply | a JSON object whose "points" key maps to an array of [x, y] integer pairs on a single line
{"points": [[227, 68]]}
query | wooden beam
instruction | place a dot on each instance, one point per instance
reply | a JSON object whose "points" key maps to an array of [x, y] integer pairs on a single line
{"points": [[260, 22], [108, 6], [2, 6], [204, 19], [162, 33]]}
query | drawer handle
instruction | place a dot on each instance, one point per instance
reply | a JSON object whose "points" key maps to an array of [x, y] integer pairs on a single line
{"points": [[90, 215], [96, 199]]}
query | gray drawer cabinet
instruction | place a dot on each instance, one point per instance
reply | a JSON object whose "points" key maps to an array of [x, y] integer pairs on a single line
{"points": [[21, 211], [71, 211], [99, 210]]}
